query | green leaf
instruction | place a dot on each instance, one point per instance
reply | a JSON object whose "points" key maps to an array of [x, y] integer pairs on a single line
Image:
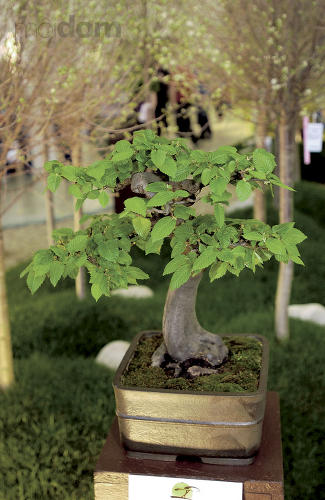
{"points": [[174, 264], [123, 146], [180, 277], [153, 246], [69, 172], [184, 231], [51, 165], [275, 180], [97, 170], [292, 250], [219, 157], [43, 257], [136, 205], [156, 187], [136, 273], [169, 167], [56, 271], [124, 258], [282, 228], [79, 204], [243, 190], [158, 158], [207, 239], [275, 246], [96, 291], [252, 236], [178, 249], [218, 186], [219, 213], [181, 193], [103, 198], [217, 270], [78, 243], [53, 182], [142, 226], [182, 212], [75, 191], [163, 228], [34, 282], [207, 174], [93, 195], [109, 250], [293, 236], [263, 161], [207, 257], [26, 270], [123, 156], [297, 260], [160, 199]]}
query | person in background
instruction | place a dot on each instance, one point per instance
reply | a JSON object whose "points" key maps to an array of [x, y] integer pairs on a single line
{"points": [[160, 97]]}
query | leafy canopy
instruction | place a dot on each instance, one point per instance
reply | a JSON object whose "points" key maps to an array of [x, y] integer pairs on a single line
{"points": [[171, 178]]}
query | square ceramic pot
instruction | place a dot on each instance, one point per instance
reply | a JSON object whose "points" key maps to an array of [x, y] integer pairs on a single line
{"points": [[220, 425]]}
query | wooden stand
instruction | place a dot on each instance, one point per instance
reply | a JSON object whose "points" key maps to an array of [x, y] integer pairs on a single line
{"points": [[263, 480]]}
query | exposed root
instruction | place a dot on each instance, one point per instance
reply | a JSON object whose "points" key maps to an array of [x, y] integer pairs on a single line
{"points": [[195, 366]]}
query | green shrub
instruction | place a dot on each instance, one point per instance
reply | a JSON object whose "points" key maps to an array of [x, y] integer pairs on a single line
{"points": [[53, 423], [310, 199]]}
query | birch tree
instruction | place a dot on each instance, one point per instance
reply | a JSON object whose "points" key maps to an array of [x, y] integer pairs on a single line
{"points": [[278, 53]]}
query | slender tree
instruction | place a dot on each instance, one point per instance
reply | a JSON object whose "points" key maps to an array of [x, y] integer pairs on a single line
{"points": [[273, 53]]}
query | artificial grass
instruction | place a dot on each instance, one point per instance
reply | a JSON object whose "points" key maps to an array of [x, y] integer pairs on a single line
{"points": [[54, 419], [239, 373]]}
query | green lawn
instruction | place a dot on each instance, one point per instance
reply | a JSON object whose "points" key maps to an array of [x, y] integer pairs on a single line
{"points": [[53, 422]]}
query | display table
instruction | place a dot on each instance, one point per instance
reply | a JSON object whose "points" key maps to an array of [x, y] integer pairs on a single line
{"points": [[263, 480]]}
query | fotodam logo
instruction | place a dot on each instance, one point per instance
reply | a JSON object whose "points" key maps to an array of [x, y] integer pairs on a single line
{"points": [[71, 28], [183, 490]]}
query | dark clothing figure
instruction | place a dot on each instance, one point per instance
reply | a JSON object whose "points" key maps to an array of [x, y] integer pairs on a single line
{"points": [[203, 121], [161, 89], [183, 120]]}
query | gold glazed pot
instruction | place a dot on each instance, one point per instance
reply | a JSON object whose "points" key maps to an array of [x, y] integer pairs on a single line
{"points": [[218, 427]]}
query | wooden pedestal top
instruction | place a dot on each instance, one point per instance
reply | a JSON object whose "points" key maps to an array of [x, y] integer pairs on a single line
{"points": [[263, 480]]}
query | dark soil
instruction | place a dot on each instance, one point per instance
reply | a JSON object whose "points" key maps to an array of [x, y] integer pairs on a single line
{"points": [[239, 373]]}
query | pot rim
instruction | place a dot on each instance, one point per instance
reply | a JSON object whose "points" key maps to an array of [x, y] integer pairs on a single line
{"points": [[262, 387]]}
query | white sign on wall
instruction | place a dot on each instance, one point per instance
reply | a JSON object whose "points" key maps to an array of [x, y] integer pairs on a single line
{"points": [[165, 488], [314, 137]]}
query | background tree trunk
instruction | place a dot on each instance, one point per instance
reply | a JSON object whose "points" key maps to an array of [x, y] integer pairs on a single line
{"points": [[287, 158], [49, 204], [6, 358], [50, 153], [259, 198], [77, 214]]}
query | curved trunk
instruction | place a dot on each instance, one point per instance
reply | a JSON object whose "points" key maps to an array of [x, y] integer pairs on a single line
{"points": [[183, 335]]}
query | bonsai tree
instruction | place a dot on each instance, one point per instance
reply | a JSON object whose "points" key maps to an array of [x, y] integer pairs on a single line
{"points": [[170, 182]]}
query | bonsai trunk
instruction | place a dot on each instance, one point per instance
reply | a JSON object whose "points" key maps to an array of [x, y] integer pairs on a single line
{"points": [[184, 338]]}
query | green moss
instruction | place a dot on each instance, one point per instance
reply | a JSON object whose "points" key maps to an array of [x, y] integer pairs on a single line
{"points": [[239, 373]]}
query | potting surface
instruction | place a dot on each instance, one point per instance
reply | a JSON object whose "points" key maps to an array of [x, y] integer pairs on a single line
{"points": [[263, 480]]}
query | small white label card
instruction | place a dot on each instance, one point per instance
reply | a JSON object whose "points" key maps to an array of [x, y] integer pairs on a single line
{"points": [[165, 488]]}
